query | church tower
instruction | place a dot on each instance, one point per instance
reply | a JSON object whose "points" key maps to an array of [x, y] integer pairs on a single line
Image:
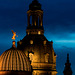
{"points": [[67, 70], [35, 45]]}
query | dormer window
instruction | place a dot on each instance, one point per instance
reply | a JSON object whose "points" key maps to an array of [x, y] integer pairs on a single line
{"points": [[31, 41]]}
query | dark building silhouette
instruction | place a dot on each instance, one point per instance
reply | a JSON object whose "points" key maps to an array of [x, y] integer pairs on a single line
{"points": [[35, 45], [67, 69]]}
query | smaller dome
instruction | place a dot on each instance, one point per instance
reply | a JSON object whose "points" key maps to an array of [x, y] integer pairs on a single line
{"points": [[35, 5], [14, 60]]}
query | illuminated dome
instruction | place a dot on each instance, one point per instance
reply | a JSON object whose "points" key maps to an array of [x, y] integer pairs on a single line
{"points": [[14, 60]]}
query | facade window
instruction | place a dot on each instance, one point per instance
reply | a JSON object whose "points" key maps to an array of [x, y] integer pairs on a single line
{"points": [[28, 33], [31, 56], [39, 32], [46, 57], [20, 42], [45, 42], [54, 67], [31, 41]]}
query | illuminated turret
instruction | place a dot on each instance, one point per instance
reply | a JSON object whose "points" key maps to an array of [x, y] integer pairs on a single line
{"points": [[35, 19]]}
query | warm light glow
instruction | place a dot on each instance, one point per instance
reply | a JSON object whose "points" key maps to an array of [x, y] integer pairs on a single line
{"points": [[31, 41], [31, 56], [14, 35], [45, 42], [47, 57], [20, 42], [28, 33], [35, 23], [39, 32], [13, 42], [41, 24]]}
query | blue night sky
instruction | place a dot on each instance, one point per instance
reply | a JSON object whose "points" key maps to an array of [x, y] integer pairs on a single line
{"points": [[58, 22]]}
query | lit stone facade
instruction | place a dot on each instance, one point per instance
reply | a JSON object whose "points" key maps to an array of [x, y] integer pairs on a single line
{"points": [[35, 45]]}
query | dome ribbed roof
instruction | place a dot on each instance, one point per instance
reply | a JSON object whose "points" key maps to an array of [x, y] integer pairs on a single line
{"points": [[35, 5], [14, 60]]}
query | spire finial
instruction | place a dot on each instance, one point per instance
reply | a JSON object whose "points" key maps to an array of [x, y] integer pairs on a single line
{"points": [[67, 58], [67, 69], [14, 46]]}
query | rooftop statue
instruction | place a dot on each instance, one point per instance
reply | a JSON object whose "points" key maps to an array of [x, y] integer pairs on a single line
{"points": [[14, 35]]}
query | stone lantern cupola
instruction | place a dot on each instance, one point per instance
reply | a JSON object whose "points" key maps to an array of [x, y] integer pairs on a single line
{"points": [[35, 19]]}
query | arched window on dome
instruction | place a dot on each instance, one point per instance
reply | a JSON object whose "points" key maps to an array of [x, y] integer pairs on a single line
{"points": [[47, 57], [31, 41], [44, 42], [31, 56]]}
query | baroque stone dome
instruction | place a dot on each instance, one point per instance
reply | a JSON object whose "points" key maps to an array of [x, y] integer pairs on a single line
{"points": [[14, 60]]}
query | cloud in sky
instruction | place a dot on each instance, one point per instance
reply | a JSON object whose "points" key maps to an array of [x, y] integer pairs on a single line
{"points": [[65, 41]]}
